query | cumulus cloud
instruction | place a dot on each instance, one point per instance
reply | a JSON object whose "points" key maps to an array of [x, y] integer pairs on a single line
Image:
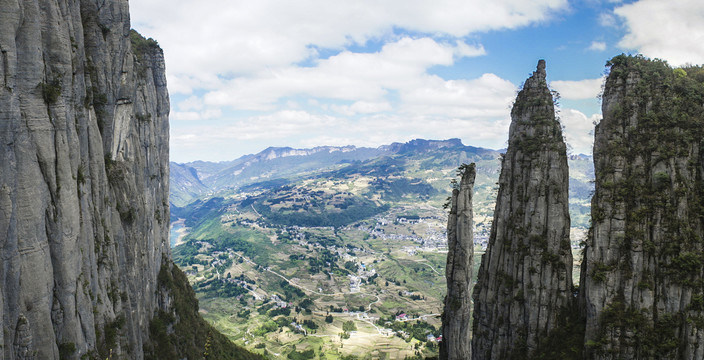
{"points": [[231, 136], [206, 114], [579, 130], [597, 46], [279, 125], [381, 129], [486, 97], [464, 50], [577, 90], [191, 103], [607, 20], [294, 63], [304, 129], [362, 107], [346, 76], [244, 36], [669, 30]]}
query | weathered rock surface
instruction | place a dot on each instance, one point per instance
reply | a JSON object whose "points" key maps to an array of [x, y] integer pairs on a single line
{"points": [[83, 181], [456, 331], [525, 280], [642, 275]]}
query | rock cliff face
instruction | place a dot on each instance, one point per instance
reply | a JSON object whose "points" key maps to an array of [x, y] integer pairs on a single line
{"points": [[456, 332], [525, 277], [642, 289], [83, 181]]}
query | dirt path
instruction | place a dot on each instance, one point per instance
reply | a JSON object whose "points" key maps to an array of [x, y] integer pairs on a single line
{"points": [[424, 262]]}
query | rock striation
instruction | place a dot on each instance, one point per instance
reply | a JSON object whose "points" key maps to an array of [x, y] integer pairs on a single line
{"points": [[642, 275], [456, 331], [84, 182], [525, 280], [643, 269]]}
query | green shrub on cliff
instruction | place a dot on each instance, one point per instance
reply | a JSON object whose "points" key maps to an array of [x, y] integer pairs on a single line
{"points": [[186, 335]]}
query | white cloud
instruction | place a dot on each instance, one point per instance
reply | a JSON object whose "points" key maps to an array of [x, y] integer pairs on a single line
{"points": [[185, 115], [191, 103], [486, 97], [327, 140], [576, 90], [346, 76], [234, 37], [491, 133], [271, 126], [669, 30], [607, 20], [280, 124], [464, 50], [383, 129], [206, 114], [265, 56], [302, 129], [362, 107], [597, 46], [579, 130]]}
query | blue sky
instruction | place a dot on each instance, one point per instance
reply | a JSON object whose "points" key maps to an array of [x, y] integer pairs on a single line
{"points": [[245, 75]]}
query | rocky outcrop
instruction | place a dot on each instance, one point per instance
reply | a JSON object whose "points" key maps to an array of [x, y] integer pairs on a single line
{"points": [[456, 332], [641, 281], [83, 181], [525, 280]]}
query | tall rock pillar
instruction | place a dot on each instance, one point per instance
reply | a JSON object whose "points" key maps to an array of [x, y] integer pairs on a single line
{"points": [[642, 279], [456, 332], [525, 278], [84, 191]]}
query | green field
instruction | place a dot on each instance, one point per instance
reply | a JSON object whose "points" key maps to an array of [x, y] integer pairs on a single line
{"points": [[289, 266]]}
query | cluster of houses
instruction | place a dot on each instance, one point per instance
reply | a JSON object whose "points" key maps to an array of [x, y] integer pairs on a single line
{"points": [[432, 338], [435, 237], [279, 303], [298, 327]]}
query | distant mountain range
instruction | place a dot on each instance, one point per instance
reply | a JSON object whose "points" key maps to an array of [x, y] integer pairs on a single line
{"points": [[312, 214], [193, 180], [419, 169]]}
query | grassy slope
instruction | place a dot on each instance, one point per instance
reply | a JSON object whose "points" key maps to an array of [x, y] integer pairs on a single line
{"points": [[184, 334], [415, 183]]}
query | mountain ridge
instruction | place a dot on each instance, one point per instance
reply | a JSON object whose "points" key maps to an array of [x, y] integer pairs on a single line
{"points": [[274, 162]]}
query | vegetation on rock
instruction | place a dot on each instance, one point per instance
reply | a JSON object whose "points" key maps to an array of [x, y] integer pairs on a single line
{"points": [[186, 335], [640, 299]]}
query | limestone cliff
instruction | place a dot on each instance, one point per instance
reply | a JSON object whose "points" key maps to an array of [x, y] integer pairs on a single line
{"points": [[83, 181], [456, 332], [642, 289], [525, 276]]}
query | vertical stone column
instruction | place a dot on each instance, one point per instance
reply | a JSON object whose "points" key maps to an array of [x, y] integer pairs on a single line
{"points": [[642, 289], [456, 334], [525, 278]]}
